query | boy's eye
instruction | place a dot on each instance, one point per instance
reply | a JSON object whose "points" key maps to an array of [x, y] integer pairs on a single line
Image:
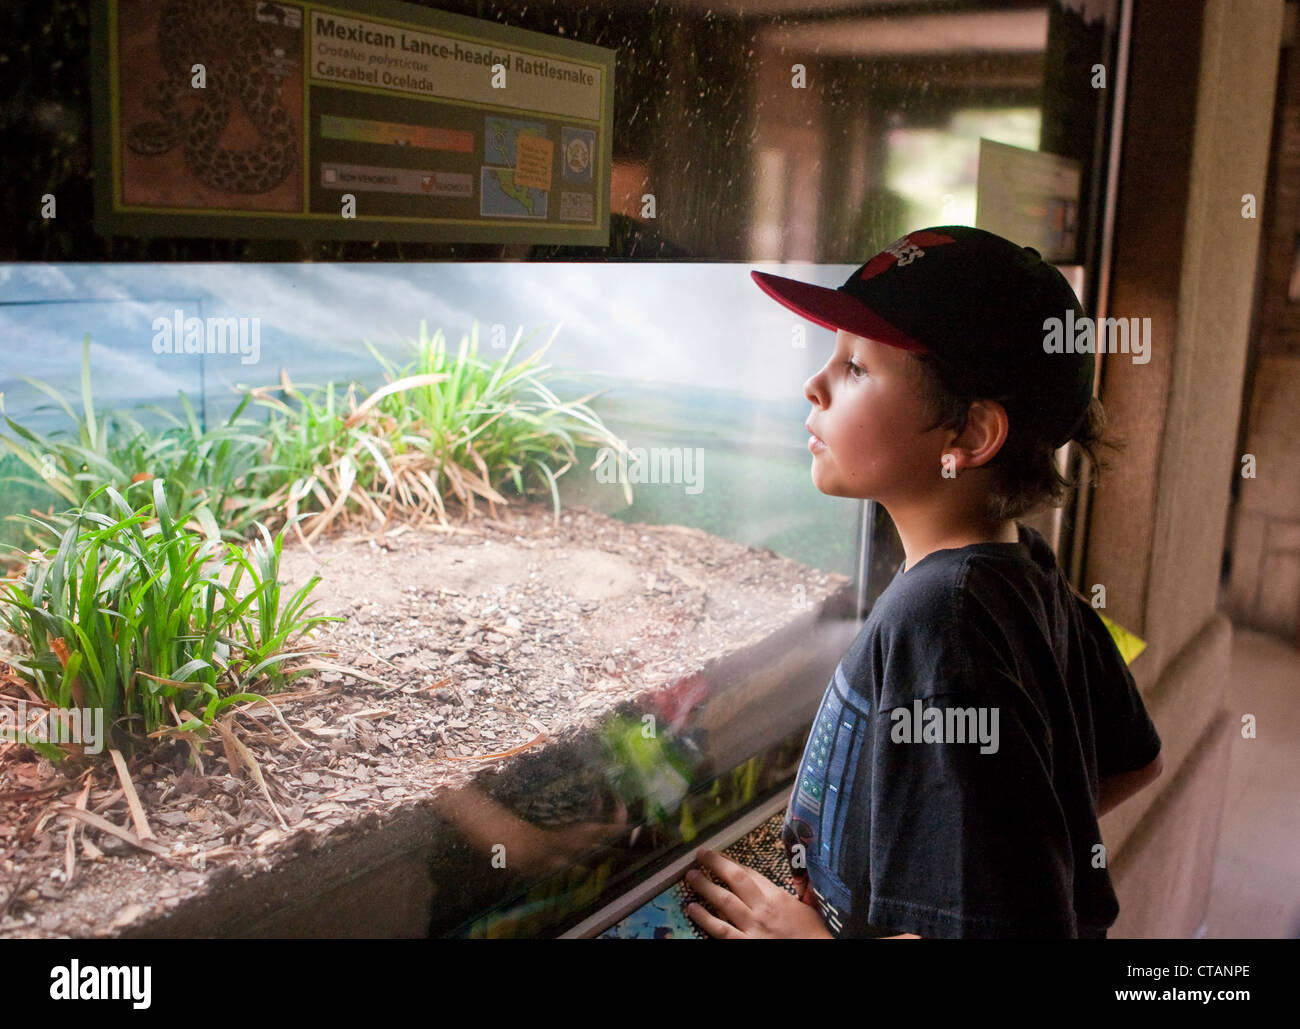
{"points": [[855, 368]]}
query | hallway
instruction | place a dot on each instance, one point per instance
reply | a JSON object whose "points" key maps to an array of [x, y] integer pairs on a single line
{"points": [[1256, 891]]}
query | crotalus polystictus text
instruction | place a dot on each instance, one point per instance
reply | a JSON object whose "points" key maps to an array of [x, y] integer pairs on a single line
{"points": [[225, 37]]}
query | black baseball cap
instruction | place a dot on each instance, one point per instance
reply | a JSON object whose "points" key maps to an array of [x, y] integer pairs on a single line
{"points": [[973, 299]]}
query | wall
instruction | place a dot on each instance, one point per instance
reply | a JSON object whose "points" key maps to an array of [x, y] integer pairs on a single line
{"points": [[1196, 137], [1264, 588]]}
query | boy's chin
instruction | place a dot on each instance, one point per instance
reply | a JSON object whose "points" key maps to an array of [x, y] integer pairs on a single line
{"points": [[829, 486]]}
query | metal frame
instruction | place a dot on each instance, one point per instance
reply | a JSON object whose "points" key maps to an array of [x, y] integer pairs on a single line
{"points": [[1083, 496]]}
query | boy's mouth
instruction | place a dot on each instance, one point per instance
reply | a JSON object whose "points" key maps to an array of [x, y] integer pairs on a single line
{"points": [[815, 443]]}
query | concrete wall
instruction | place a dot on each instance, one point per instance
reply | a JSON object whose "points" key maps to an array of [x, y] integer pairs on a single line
{"points": [[1264, 590], [1186, 258]]}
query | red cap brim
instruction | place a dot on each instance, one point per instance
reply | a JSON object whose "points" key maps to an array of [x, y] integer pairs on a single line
{"points": [[833, 309]]}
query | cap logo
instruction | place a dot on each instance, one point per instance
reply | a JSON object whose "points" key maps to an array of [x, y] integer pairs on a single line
{"points": [[903, 251]]}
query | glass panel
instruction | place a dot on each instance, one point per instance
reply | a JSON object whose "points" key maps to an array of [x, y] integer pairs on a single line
{"points": [[657, 681]]}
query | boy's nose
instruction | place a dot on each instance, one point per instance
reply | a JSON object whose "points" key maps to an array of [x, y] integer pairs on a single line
{"points": [[812, 391]]}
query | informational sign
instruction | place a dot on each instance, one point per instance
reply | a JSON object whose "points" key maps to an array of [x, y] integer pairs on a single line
{"points": [[347, 120], [1031, 198]]}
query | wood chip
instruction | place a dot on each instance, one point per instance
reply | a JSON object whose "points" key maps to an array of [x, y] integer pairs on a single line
{"points": [[223, 727], [127, 915], [142, 829], [104, 825], [70, 846]]}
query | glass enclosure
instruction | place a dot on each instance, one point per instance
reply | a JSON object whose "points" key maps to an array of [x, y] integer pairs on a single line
{"points": [[570, 690]]}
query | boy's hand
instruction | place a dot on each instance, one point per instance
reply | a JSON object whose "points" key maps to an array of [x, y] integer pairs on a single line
{"points": [[758, 909]]}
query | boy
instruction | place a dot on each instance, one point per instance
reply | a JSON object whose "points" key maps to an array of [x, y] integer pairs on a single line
{"points": [[983, 718]]}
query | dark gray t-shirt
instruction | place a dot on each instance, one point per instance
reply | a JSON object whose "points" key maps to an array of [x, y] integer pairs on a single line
{"points": [[949, 786]]}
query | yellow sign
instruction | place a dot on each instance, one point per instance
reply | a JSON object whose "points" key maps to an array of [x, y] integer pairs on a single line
{"points": [[533, 161], [1128, 644]]}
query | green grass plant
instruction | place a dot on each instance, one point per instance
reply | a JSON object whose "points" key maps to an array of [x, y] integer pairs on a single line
{"points": [[480, 426], [126, 615], [442, 427], [199, 467]]}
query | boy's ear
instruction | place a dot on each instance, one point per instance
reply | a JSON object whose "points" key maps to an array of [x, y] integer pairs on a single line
{"points": [[984, 434]]}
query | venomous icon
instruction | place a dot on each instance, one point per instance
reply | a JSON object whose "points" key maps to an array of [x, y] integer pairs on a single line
{"points": [[235, 50]]}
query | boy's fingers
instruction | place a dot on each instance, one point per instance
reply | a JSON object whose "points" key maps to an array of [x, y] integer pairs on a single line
{"points": [[723, 900], [715, 927], [737, 876], [717, 862]]}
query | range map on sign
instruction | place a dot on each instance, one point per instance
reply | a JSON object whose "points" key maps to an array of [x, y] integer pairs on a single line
{"points": [[502, 196]]}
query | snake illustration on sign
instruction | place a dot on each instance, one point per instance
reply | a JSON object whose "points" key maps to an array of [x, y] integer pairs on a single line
{"points": [[234, 41]]}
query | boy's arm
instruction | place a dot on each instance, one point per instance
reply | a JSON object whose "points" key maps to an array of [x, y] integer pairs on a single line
{"points": [[1115, 789]]}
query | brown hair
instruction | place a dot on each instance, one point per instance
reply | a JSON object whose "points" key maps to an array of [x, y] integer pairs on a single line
{"points": [[1025, 472]]}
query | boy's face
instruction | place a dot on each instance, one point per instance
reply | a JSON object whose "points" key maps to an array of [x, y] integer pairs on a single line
{"points": [[868, 414]]}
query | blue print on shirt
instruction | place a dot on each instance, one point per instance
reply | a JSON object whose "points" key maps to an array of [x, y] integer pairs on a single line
{"points": [[827, 784]]}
